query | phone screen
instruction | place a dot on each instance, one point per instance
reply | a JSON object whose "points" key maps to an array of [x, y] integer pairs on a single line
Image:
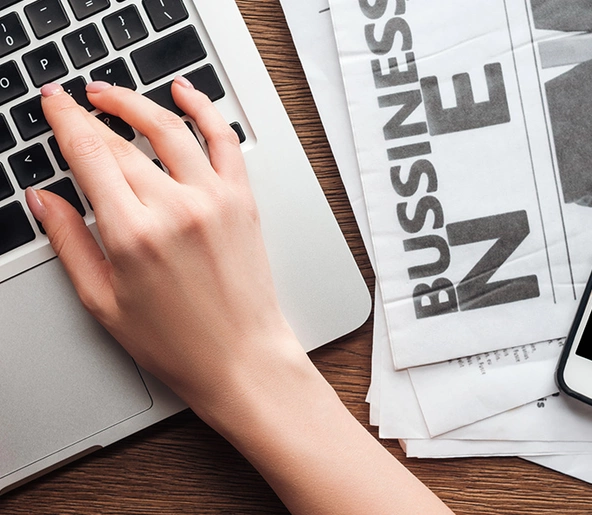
{"points": [[584, 349]]}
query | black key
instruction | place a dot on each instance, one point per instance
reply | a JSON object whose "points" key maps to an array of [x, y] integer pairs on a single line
{"points": [[158, 163], [85, 8], [76, 88], [57, 153], [117, 125], [116, 73], [85, 45], [168, 54], [206, 80], [6, 138], [125, 27], [65, 189], [163, 97], [165, 13], [7, 3], [193, 131], [46, 17], [31, 166], [6, 188], [45, 64], [12, 34], [29, 118], [236, 127], [15, 229], [12, 84]]}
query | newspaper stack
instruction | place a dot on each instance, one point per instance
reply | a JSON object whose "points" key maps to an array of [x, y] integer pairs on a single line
{"points": [[457, 128]]}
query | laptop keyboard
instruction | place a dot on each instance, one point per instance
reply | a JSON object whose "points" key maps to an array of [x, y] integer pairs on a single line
{"points": [[139, 45]]}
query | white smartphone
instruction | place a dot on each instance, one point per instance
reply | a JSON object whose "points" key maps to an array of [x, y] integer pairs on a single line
{"points": [[574, 372]]}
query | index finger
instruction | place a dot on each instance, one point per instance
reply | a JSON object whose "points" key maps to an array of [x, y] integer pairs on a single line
{"points": [[93, 165]]}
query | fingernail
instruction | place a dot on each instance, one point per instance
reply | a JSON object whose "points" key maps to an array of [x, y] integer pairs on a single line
{"points": [[51, 89], [97, 86], [35, 204], [182, 81]]}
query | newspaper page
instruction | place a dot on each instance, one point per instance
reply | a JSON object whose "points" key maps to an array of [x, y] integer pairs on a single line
{"points": [[471, 122]]}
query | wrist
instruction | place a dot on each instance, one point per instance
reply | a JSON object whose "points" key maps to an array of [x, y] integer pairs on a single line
{"points": [[255, 386]]}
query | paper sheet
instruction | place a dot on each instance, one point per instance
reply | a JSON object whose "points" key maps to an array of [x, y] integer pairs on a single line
{"points": [[579, 466], [480, 448], [312, 30], [555, 418], [474, 219], [462, 391]]}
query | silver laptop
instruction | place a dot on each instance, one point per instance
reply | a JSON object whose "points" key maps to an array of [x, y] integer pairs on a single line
{"points": [[66, 387]]}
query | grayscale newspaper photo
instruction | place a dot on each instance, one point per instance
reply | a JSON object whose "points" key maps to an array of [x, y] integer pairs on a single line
{"points": [[472, 126]]}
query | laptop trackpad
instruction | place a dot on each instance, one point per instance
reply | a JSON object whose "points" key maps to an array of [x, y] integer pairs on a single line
{"points": [[62, 377]]}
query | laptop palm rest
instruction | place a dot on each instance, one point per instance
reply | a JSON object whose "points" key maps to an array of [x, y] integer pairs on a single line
{"points": [[60, 383]]}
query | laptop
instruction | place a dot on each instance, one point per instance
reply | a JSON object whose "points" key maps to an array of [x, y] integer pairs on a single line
{"points": [[66, 387]]}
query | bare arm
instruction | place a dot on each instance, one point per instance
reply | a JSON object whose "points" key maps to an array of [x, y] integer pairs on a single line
{"points": [[186, 288]]}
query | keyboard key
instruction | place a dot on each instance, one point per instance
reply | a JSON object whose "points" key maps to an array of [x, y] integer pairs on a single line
{"points": [[117, 125], [206, 80], [29, 118], [31, 166], [15, 229], [125, 27], [45, 64], [6, 138], [236, 127], [76, 88], [65, 189], [57, 153], [163, 97], [85, 8], [12, 34], [46, 17], [85, 45], [12, 84], [168, 54], [116, 73], [6, 189], [165, 13], [7, 3]]}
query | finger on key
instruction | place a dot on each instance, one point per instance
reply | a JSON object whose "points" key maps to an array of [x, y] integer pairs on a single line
{"points": [[90, 159], [146, 180], [170, 138], [74, 244], [223, 145]]}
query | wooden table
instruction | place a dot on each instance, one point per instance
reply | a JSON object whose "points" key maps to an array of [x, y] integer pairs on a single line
{"points": [[182, 466]]}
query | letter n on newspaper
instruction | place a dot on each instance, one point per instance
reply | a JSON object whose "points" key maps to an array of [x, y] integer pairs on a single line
{"points": [[473, 129]]}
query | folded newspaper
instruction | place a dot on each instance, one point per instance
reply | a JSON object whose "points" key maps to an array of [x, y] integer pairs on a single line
{"points": [[472, 385], [472, 123]]}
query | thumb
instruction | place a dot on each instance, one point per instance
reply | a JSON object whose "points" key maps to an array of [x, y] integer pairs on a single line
{"points": [[75, 246]]}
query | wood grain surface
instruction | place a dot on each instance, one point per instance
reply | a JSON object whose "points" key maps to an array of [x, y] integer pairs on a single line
{"points": [[182, 466]]}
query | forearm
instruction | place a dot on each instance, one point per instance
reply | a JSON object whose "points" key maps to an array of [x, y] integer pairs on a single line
{"points": [[314, 453]]}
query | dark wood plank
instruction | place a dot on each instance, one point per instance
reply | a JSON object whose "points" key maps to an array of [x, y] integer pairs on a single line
{"points": [[182, 466]]}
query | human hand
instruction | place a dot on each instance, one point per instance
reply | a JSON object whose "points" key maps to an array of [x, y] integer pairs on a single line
{"points": [[185, 286], [184, 283]]}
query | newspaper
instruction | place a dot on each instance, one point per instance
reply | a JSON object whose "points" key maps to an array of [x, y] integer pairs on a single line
{"points": [[465, 390], [468, 119], [393, 403]]}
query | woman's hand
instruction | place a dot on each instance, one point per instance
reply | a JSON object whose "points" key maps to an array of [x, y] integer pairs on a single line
{"points": [[185, 286], [184, 283]]}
